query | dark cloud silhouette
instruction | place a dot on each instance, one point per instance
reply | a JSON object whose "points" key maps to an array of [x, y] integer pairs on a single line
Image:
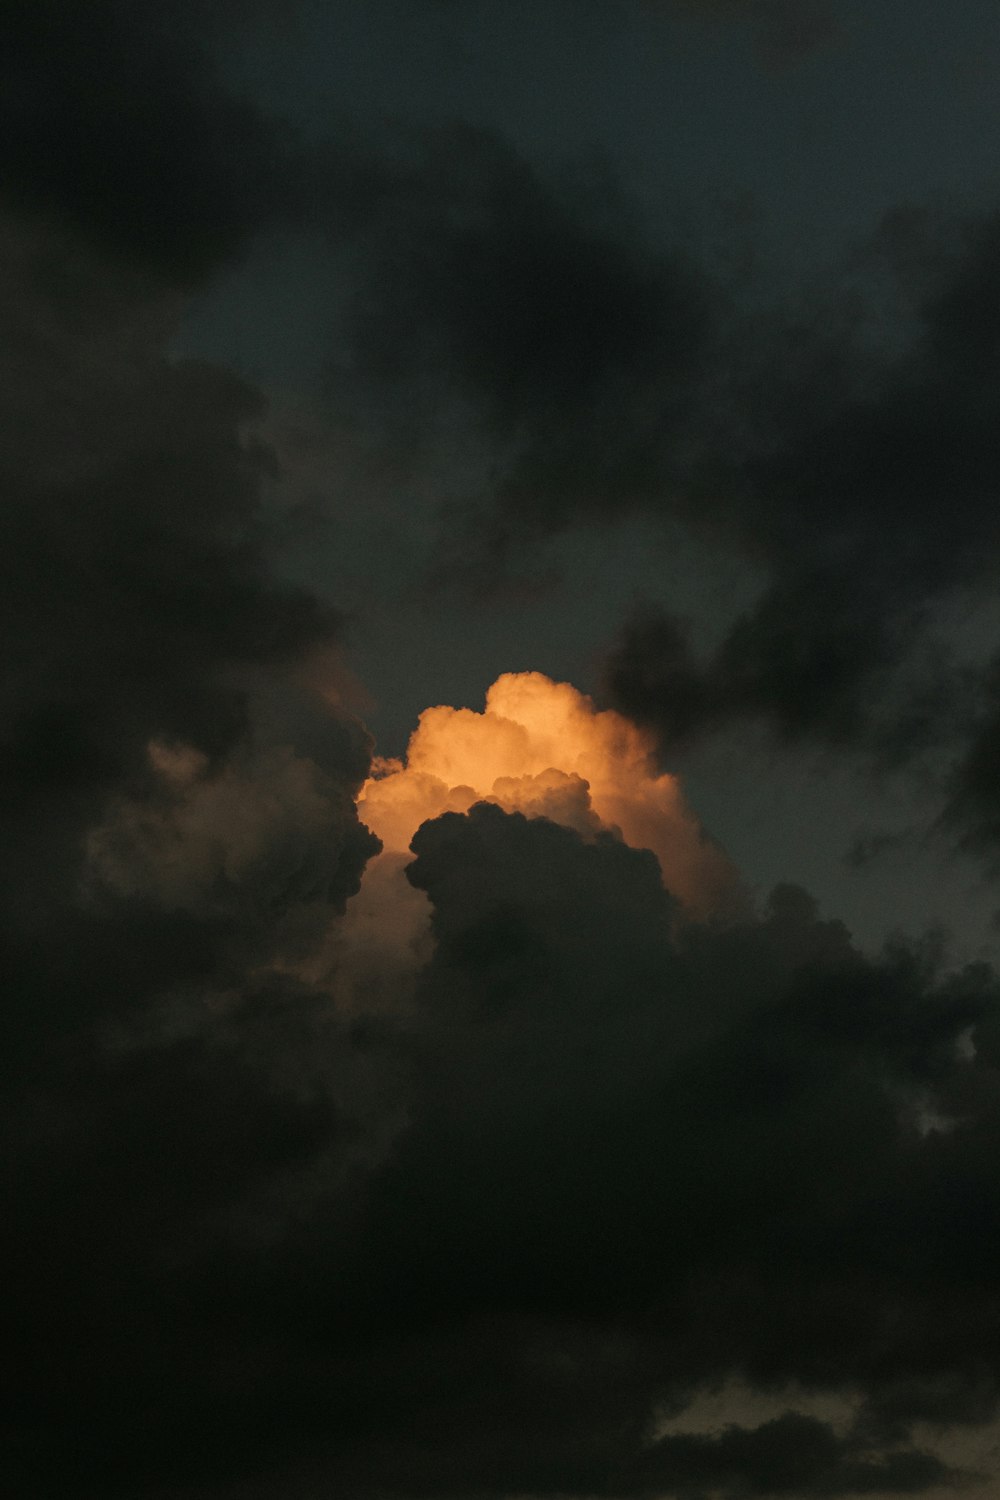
{"points": [[814, 661], [117, 122], [474, 1245], [113, 120], [973, 807], [793, 1455], [871, 501], [142, 625], [519, 333], [804, 660], [171, 853]]}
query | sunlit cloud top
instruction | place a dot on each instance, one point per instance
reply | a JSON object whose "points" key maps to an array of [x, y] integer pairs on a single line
{"points": [[541, 748]]}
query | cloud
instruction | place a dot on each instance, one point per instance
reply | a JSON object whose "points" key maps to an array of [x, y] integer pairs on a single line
{"points": [[514, 347], [115, 121], [134, 545], [813, 659], [523, 332], [793, 1455], [140, 609], [519, 341], [631, 1166], [181, 803], [119, 125], [269, 835], [456, 1218], [299, 1207], [477, 1240], [972, 811], [867, 499], [541, 748]]}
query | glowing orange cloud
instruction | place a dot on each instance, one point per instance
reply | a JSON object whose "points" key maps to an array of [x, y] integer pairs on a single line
{"points": [[542, 749]]}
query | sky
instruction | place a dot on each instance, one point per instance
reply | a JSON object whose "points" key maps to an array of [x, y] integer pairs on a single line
{"points": [[500, 749]]}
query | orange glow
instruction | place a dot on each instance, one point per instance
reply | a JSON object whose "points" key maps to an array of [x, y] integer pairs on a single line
{"points": [[541, 748]]}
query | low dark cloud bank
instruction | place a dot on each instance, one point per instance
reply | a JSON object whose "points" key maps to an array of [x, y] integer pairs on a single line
{"points": [[474, 1246], [485, 1239]]}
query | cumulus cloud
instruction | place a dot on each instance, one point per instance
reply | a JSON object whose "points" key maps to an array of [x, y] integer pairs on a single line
{"points": [[541, 748], [270, 835]]}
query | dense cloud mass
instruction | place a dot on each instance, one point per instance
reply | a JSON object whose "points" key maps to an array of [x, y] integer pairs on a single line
{"points": [[117, 121], [477, 1246], [503, 334], [873, 508], [112, 119], [454, 1128], [539, 747], [140, 628]]}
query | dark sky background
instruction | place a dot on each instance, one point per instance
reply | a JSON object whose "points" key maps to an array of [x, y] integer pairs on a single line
{"points": [[355, 354]]}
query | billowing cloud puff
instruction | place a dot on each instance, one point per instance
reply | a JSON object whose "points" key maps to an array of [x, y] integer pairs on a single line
{"points": [[541, 748], [270, 836]]}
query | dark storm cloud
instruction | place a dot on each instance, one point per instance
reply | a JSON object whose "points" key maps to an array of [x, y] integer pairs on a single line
{"points": [[170, 852], [718, 1153], [605, 377], [514, 338], [815, 660], [870, 494], [695, 1090], [793, 1455], [802, 660], [170, 835], [139, 611], [516, 345], [617, 1167], [973, 809], [134, 550], [115, 120]]}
